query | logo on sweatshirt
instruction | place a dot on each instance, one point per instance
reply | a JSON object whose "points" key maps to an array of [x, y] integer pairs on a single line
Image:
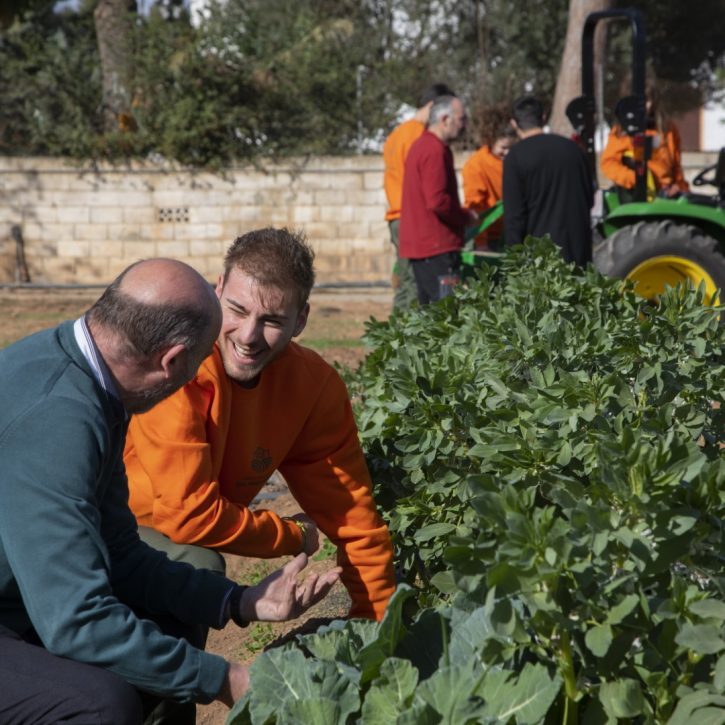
{"points": [[261, 459]]}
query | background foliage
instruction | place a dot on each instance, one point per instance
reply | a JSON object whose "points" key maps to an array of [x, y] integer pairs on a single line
{"points": [[549, 452], [270, 77]]}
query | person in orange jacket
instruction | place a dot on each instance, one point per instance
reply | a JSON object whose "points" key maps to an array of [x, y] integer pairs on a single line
{"points": [[260, 403], [395, 151], [665, 164], [483, 173]]}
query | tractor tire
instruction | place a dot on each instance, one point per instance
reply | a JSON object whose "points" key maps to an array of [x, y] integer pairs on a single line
{"points": [[659, 253]]}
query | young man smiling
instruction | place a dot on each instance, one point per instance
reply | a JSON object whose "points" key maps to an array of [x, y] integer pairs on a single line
{"points": [[260, 403]]}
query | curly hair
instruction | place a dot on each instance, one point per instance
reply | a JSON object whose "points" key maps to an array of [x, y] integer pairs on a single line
{"points": [[275, 258], [493, 123]]}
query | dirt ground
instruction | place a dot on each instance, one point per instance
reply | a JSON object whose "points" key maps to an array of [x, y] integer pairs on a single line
{"points": [[242, 645], [335, 325], [334, 329]]}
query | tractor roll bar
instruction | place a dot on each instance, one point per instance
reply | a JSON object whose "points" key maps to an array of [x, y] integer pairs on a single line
{"points": [[630, 110]]}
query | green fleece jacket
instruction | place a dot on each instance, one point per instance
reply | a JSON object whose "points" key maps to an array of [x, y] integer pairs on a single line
{"points": [[71, 562]]}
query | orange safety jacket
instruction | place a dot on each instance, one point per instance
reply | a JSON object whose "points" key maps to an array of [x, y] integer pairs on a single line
{"points": [[196, 460], [395, 151], [483, 187], [665, 163]]}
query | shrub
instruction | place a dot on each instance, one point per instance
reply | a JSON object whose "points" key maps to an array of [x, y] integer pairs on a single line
{"points": [[548, 450]]}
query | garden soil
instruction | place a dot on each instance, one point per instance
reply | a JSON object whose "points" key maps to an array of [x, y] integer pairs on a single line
{"points": [[336, 323]]}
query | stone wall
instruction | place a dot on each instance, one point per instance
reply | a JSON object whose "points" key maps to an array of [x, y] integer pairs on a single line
{"points": [[83, 225]]}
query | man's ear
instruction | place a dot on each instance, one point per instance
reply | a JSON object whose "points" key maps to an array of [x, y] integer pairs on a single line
{"points": [[219, 286], [301, 321], [171, 358]]}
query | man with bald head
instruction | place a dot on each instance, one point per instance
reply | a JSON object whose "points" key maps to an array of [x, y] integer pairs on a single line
{"points": [[94, 624]]}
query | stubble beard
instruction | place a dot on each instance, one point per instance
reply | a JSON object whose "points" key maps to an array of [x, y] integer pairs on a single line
{"points": [[245, 375]]}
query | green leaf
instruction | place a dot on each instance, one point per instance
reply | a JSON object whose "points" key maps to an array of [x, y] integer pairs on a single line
{"points": [[564, 455], [444, 581], [274, 678], [682, 524], [622, 609], [699, 707], [391, 693], [701, 638], [469, 635], [598, 639], [341, 640], [390, 631], [452, 693], [719, 677], [708, 609], [281, 677], [239, 714], [433, 531], [421, 713], [527, 700], [622, 698], [318, 711]]}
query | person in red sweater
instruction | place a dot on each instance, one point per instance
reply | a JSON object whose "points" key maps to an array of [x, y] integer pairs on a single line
{"points": [[432, 220], [260, 403], [483, 173], [395, 151]]}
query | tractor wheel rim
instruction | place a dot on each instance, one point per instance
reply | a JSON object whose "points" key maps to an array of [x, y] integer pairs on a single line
{"points": [[651, 276]]}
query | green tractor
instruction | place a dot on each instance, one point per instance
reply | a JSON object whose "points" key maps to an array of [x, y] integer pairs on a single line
{"points": [[663, 241]]}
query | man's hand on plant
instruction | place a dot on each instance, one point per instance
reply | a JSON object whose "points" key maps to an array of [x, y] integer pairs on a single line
{"points": [[280, 596]]}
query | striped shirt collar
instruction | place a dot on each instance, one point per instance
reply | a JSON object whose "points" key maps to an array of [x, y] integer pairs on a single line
{"points": [[93, 356]]}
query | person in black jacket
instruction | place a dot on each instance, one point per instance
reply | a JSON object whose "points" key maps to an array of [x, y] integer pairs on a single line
{"points": [[547, 186]]}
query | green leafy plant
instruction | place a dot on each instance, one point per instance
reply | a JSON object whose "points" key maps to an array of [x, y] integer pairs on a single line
{"points": [[327, 551], [549, 452], [260, 636], [260, 569]]}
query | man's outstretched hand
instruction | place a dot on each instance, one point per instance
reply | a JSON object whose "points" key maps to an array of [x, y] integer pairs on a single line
{"points": [[275, 599], [280, 597]]}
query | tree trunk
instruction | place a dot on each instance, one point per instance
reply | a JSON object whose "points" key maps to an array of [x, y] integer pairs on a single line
{"points": [[113, 30], [568, 84]]}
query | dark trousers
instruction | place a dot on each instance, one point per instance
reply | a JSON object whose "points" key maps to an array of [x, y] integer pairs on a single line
{"points": [[38, 687], [168, 712], [434, 276]]}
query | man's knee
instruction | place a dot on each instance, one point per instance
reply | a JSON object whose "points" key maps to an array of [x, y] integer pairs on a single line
{"points": [[201, 558], [198, 556], [116, 702], [41, 688]]}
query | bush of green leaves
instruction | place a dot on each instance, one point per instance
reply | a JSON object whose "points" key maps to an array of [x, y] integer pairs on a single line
{"points": [[549, 452]]}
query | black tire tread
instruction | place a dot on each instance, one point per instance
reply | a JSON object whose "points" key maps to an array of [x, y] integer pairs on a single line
{"points": [[618, 254]]}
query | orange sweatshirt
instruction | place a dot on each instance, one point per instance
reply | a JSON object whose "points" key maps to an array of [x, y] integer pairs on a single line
{"points": [[665, 164], [395, 151], [196, 461], [482, 180], [483, 187]]}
